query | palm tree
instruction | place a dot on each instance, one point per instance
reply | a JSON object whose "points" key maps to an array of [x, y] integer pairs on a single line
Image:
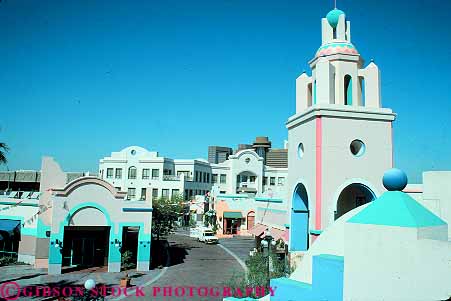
{"points": [[3, 149]]}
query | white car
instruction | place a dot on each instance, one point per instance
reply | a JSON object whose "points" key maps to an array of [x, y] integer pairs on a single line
{"points": [[208, 237]]}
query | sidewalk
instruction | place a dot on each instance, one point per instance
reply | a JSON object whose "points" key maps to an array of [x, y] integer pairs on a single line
{"points": [[28, 276]]}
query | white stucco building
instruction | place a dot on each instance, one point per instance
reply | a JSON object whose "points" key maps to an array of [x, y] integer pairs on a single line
{"points": [[137, 171], [249, 190]]}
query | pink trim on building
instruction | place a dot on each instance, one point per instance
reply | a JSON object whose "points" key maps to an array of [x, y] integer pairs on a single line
{"points": [[318, 173]]}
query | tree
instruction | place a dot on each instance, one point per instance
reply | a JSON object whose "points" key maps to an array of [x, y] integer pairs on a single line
{"points": [[257, 273], [3, 149], [165, 214]]}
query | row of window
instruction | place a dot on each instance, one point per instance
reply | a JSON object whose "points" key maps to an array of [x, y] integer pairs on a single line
{"points": [[131, 193], [252, 179], [272, 181], [192, 192], [202, 177], [222, 178], [132, 173], [245, 178]]}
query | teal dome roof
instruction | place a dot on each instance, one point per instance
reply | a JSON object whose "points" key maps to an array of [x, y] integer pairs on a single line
{"points": [[396, 208], [333, 16]]}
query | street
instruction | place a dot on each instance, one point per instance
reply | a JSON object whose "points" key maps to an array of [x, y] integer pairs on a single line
{"points": [[195, 264]]}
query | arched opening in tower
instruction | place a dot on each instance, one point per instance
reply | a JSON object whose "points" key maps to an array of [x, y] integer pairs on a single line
{"points": [[362, 90], [348, 90], [353, 196], [299, 238]]}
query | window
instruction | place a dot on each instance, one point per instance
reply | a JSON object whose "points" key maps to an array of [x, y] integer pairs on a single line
{"points": [[167, 172], [272, 181], [222, 179], [300, 150], [208, 178], [131, 193], [118, 173], [196, 177], [205, 177], [183, 172], [154, 193], [146, 173], [348, 90], [143, 194], [155, 174], [165, 193], [118, 188], [357, 148], [214, 178], [265, 181], [175, 192], [252, 178], [281, 181], [132, 172], [109, 173]]}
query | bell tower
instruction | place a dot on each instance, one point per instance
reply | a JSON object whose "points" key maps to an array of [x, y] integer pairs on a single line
{"points": [[339, 139]]}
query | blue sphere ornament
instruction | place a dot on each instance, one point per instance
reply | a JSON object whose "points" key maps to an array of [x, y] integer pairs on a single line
{"points": [[333, 17], [394, 179]]}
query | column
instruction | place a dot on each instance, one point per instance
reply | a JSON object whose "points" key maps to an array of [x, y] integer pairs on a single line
{"points": [[114, 250], [55, 252], [143, 258]]}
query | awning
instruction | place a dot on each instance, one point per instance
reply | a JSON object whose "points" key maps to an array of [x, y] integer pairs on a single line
{"points": [[258, 229], [233, 214], [8, 226]]}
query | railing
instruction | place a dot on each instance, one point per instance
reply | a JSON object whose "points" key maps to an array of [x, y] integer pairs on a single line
{"points": [[247, 185], [171, 178]]}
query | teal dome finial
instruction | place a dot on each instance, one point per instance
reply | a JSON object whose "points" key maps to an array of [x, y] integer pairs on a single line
{"points": [[333, 17]]}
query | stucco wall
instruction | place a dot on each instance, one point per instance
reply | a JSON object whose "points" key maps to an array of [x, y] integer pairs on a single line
{"points": [[391, 263]]}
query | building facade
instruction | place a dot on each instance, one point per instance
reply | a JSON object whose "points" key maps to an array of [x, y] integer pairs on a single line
{"points": [[340, 138], [72, 223], [137, 172], [249, 190]]}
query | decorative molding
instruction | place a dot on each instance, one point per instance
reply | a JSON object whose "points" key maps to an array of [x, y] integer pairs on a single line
{"points": [[71, 186]]}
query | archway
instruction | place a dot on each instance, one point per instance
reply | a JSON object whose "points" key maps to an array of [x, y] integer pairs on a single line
{"points": [[299, 219], [85, 239], [352, 196], [250, 220]]}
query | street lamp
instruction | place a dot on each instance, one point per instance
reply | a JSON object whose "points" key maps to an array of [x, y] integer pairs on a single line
{"points": [[268, 241]]}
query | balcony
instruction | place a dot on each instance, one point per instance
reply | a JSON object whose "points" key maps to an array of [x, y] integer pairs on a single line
{"points": [[171, 178], [247, 187]]}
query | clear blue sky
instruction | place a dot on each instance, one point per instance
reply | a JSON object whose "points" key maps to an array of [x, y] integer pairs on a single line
{"points": [[80, 79]]}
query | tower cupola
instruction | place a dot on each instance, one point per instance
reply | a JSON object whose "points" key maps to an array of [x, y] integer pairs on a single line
{"points": [[338, 73]]}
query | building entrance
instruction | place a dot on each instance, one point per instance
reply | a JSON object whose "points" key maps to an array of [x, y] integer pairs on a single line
{"points": [[85, 246]]}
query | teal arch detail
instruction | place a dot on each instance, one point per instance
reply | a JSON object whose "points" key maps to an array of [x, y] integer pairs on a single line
{"points": [[55, 256], [87, 205], [299, 230], [348, 89]]}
